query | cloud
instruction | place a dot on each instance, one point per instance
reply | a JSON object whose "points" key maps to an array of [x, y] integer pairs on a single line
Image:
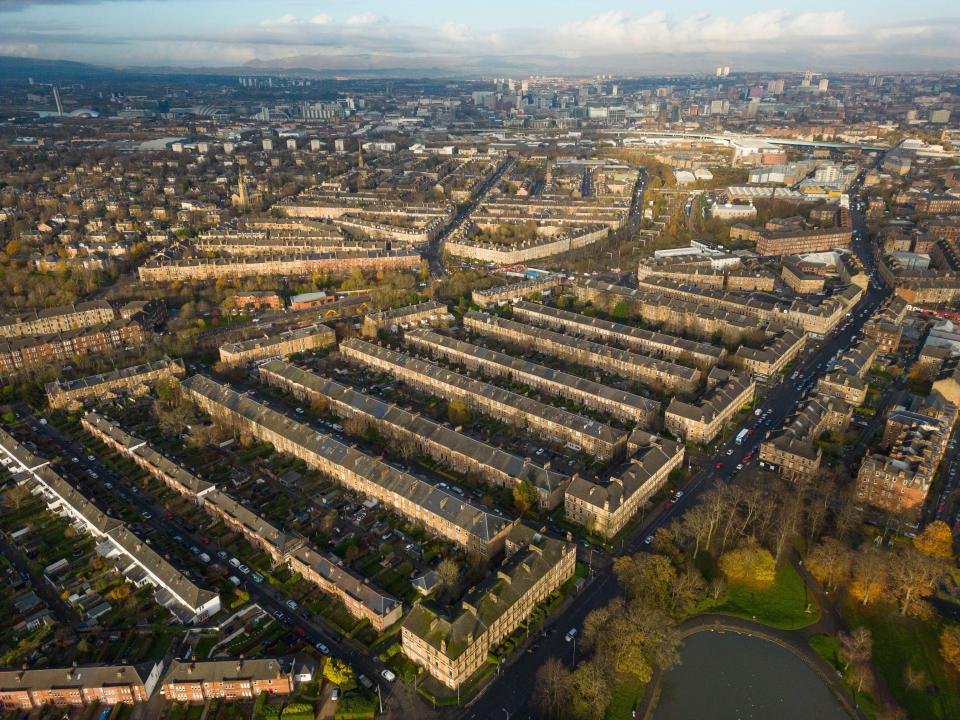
{"points": [[282, 21], [364, 18], [607, 41]]}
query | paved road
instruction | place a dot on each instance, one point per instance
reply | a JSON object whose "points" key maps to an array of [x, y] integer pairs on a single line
{"points": [[509, 695]]}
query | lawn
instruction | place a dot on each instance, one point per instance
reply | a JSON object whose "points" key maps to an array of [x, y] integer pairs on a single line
{"points": [[627, 693], [783, 605], [898, 642]]}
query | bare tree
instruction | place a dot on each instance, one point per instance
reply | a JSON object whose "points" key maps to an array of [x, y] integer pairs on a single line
{"points": [[856, 647], [16, 496], [448, 576], [551, 693], [914, 576]]}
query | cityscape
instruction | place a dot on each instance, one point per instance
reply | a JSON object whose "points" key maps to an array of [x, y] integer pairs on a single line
{"points": [[416, 360]]}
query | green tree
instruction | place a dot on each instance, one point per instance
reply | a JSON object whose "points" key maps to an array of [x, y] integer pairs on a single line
{"points": [[457, 412]]}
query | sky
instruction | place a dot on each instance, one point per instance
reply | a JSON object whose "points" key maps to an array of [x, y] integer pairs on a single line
{"points": [[490, 36]]}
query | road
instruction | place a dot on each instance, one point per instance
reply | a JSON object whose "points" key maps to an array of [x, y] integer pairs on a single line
{"points": [[509, 695], [433, 251]]}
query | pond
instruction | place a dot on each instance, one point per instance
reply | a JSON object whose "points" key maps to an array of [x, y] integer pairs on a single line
{"points": [[725, 676]]}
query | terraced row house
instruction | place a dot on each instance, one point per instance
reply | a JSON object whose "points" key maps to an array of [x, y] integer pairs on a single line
{"points": [[131, 556], [617, 403], [642, 368], [553, 423], [473, 527], [362, 599], [462, 453]]}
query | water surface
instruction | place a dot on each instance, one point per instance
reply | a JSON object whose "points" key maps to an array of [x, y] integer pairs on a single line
{"points": [[725, 676]]}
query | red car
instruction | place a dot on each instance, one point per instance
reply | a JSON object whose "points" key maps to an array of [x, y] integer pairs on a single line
{"points": [[719, 466], [668, 504]]}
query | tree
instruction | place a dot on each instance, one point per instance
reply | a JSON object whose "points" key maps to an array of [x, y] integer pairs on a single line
{"points": [[589, 691], [338, 672], [620, 311], [749, 565], [914, 576], [448, 576], [524, 496], [552, 692], [869, 574], [950, 646], [16, 496], [829, 562], [856, 647], [916, 679], [328, 521], [458, 413], [356, 425], [647, 576], [936, 540]]}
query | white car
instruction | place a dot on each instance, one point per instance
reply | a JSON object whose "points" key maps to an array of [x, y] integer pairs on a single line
{"points": [[234, 562], [388, 675], [292, 604]]}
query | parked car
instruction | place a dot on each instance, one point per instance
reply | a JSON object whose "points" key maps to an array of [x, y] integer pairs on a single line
{"points": [[388, 675], [324, 650], [571, 634]]}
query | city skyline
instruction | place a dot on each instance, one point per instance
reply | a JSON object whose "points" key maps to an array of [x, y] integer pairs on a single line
{"points": [[467, 40]]}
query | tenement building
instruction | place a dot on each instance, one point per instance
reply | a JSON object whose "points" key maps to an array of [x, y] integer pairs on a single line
{"points": [[541, 286], [78, 685], [134, 380], [767, 361], [439, 510], [130, 555], [671, 347], [556, 424], [462, 453], [452, 649], [409, 315], [793, 452], [606, 508], [361, 598], [58, 319], [592, 395], [700, 422], [229, 680], [641, 368], [311, 337]]}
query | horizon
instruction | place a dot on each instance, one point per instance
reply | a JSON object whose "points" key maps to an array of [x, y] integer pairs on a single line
{"points": [[568, 38]]}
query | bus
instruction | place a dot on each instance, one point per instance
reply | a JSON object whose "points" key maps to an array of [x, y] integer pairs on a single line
{"points": [[741, 436]]}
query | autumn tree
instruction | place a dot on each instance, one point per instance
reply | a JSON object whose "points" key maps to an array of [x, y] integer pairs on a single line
{"points": [[749, 565], [829, 562], [552, 692], [869, 577], [936, 540], [338, 672], [16, 496], [950, 646], [524, 496], [646, 576]]}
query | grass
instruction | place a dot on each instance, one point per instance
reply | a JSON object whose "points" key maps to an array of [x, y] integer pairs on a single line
{"points": [[899, 642], [782, 605], [626, 695]]}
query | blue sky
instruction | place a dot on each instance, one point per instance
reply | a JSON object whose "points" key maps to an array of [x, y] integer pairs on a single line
{"points": [[537, 35]]}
